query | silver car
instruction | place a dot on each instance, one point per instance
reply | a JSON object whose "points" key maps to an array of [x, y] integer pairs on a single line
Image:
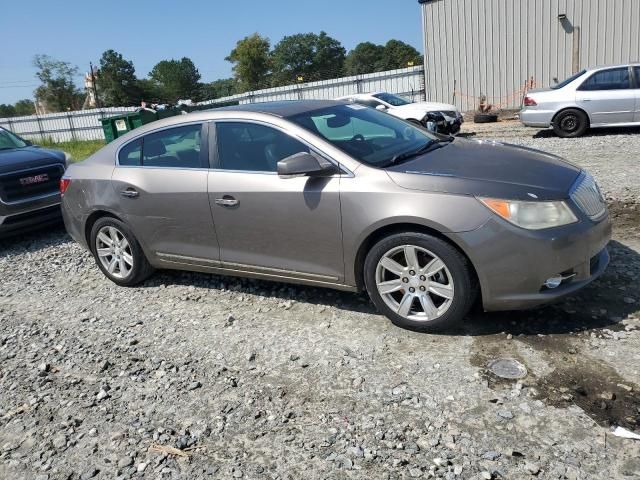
{"points": [[343, 196], [592, 98]]}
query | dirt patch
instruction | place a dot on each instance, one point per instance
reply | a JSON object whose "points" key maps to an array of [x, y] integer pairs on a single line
{"points": [[625, 216], [575, 378]]}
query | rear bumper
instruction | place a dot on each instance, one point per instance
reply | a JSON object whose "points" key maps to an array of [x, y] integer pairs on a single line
{"points": [[31, 216], [513, 264], [536, 118]]}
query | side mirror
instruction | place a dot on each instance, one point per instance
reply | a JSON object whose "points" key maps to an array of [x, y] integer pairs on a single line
{"points": [[302, 164], [382, 108], [28, 142]]}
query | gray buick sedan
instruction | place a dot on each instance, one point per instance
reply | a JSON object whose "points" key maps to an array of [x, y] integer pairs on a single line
{"points": [[342, 196]]}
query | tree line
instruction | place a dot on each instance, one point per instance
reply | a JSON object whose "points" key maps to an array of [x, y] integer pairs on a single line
{"points": [[303, 57]]}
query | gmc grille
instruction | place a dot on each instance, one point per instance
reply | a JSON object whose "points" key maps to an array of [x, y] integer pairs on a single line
{"points": [[27, 184]]}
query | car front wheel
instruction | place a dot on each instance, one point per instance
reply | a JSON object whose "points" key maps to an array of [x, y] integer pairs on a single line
{"points": [[118, 253], [419, 281]]}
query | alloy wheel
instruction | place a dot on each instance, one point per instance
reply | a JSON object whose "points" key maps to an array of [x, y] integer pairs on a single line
{"points": [[114, 252], [415, 283]]}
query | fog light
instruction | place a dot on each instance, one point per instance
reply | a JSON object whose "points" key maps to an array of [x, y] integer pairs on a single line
{"points": [[553, 282]]}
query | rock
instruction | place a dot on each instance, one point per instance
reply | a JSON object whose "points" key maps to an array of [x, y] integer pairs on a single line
{"points": [[506, 414], [44, 367], [194, 386], [532, 468], [415, 472], [141, 467], [629, 300], [491, 455], [485, 475], [60, 441], [125, 462], [92, 472], [102, 395]]}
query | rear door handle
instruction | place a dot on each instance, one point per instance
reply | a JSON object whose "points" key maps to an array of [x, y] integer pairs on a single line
{"points": [[130, 193], [227, 201]]}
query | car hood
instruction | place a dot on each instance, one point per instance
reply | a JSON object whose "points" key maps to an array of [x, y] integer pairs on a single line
{"points": [[488, 169], [29, 157]]}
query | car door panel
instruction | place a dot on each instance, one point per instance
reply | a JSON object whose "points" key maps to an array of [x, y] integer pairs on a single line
{"points": [[604, 103], [171, 211], [161, 184], [637, 94], [268, 224]]}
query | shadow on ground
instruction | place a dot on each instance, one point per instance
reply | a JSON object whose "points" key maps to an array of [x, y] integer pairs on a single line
{"points": [[594, 132]]}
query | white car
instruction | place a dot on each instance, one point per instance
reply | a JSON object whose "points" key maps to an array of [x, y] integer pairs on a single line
{"points": [[440, 117]]}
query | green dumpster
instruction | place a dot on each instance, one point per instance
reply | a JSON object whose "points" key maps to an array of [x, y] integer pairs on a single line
{"points": [[115, 127]]}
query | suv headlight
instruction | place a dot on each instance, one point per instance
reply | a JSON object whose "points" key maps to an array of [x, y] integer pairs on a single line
{"points": [[531, 215]]}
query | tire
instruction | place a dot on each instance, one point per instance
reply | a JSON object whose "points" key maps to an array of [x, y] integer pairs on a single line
{"points": [[129, 273], [454, 279], [570, 123], [485, 118]]}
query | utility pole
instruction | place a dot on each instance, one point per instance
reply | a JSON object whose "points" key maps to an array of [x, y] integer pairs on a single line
{"points": [[95, 87]]}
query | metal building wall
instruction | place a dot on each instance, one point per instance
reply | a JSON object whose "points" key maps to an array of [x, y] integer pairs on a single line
{"points": [[494, 47]]}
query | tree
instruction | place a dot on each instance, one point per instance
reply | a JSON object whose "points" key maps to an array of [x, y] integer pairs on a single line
{"points": [[398, 54], [313, 57], [176, 79], [24, 107], [219, 88], [116, 81], [149, 91], [250, 60], [58, 91], [7, 110], [364, 58]]}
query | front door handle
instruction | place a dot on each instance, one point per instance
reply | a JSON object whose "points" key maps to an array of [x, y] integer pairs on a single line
{"points": [[130, 193], [227, 201]]}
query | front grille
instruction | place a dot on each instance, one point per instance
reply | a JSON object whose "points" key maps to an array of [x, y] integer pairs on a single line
{"points": [[587, 196], [33, 183]]}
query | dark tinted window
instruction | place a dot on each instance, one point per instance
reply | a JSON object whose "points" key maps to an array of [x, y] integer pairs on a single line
{"points": [[614, 79], [394, 100], [175, 147], [367, 102], [253, 147], [637, 72], [131, 153]]}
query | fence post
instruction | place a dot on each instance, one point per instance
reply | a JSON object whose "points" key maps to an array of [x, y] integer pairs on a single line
{"points": [[71, 127], [40, 129]]}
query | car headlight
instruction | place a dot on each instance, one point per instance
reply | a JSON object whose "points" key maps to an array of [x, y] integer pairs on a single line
{"points": [[531, 215]]}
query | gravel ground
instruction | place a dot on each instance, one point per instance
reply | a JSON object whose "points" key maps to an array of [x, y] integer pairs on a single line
{"points": [[197, 376]]}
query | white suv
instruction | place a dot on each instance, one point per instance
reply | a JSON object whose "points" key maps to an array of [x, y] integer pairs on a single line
{"points": [[441, 117]]}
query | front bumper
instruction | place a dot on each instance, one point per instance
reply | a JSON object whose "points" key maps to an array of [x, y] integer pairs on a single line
{"points": [[513, 264], [536, 118], [27, 216]]}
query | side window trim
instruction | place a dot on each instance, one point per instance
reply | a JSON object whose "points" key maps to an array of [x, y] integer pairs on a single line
{"points": [[215, 157], [204, 143]]}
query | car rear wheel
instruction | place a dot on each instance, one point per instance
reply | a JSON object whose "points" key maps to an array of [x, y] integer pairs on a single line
{"points": [[118, 253], [419, 281], [570, 123]]}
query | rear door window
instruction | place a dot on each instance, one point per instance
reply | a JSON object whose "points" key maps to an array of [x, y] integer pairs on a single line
{"points": [[637, 75], [177, 147], [613, 79], [131, 154]]}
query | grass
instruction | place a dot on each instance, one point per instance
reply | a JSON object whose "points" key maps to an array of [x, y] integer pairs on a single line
{"points": [[78, 149]]}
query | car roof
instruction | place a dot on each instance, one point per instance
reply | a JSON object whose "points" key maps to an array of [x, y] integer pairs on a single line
{"points": [[620, 65], [284, 109]]}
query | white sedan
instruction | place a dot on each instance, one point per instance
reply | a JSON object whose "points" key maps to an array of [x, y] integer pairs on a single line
{"points": [[440, 117]]}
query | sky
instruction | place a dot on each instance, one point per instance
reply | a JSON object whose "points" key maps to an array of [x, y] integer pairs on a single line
{"points": [[147, 31]]}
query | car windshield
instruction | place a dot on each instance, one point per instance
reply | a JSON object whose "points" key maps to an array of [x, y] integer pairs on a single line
{"points": [[394, 100], [569, 80], [9, 140], [368, 135]]}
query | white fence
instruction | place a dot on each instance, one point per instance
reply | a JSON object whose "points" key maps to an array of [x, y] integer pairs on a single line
{"points": [[64, 126], [86, 125]]}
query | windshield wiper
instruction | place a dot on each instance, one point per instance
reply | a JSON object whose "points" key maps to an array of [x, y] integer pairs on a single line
{"points": [[414, 153]]}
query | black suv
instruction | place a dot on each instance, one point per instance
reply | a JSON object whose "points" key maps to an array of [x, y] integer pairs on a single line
{"points": [[29, 184]]}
